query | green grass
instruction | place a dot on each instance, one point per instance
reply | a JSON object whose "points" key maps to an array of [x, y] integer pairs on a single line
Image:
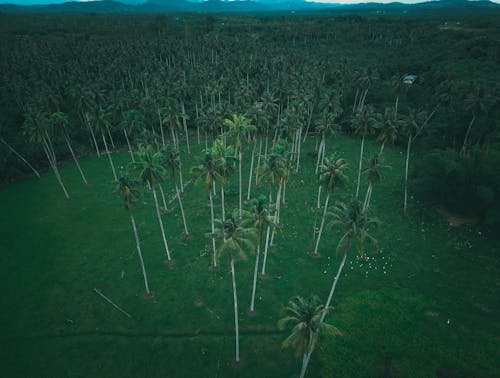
{"points": [[424, 305]]}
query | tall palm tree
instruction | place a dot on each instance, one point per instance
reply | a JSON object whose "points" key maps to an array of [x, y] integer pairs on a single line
{"points": [[224, 156], [36, 128], [133, 122], [239, 128], [374, 176], [303, 317], [262, 220], [173, 162], [60, 124], [356, 222], [100, 123], [236, 235], [331, 175], [150, 164], [363, 124], [208, 171], [130, 194], [388, 128]]}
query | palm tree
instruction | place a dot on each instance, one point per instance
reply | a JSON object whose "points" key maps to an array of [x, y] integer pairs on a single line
{"points": [[129, 194], [303, 317], [331, 175], [262, 220], [60, 124], [173, 162], [235, 233], [363, 124], [388, 128], [477, 102], [101, 125], [239, 128], [374, 176], [224, 156], [208, 171], [150, 165], [356, 222], [133, 121], [36, 129]]}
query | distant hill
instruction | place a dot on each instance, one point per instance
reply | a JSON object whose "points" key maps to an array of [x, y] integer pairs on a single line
{"points": [[261, 6]]}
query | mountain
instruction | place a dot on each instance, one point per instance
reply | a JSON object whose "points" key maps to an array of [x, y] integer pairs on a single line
{"points": [[249, 6]]}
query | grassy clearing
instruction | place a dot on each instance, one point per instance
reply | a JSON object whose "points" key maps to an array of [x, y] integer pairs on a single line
{"points": [[426, 304]]}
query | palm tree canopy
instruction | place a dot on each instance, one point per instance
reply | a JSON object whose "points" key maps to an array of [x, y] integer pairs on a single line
{"points": [[236, 234], [303, 317], [261, 215], [239, 127], [388, 127], [172, 159], [150, 164], [352, 218], [332, 172], [374, 168], [35, 125], [363, 121], [208, 170]]}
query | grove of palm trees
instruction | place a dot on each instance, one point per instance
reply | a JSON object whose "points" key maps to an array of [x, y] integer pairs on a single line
{"points": [[241, 196]]}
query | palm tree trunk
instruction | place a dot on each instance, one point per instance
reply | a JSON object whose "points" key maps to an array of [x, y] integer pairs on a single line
{"points": [[109, 157], [162, 193], [466, 138], [336, 279], [148, 292], [213, 226], [182, 210], [256, 269], [360, 165], [299, 136], [320, 152], [184, 123], [258, 163], [318, 205], [223, 205], [303, 369], [381, 148], [251, 169], [93, 135], [181, 181], [75, 159], [405, 205], [110, 137], [20, 157], [367, 196], [161, 127], [53, 164], [236, 328], [240, 184], [266, 247], [129, 146], [160, 222], [322, 224]]}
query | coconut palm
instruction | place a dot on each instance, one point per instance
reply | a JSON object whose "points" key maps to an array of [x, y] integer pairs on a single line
{"points": [[173, 162], [208, 171], [388, 128], [224, 157], [129, 194], [303, 317], [36, 128], [239, 128], [374, 176], [356, 222], [150, 164], [133, 122], [262, 220], [100, 123], [331, 175], [363, 124], [60, 124], [236, 235]]}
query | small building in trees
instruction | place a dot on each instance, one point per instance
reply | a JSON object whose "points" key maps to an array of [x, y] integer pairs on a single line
{"points": [[409, 79]]}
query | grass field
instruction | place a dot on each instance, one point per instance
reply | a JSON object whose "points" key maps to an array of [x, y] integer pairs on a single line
{"points": [[426, 304]]}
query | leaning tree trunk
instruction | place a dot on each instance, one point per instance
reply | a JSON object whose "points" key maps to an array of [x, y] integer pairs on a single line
{"points": [[53, 164], [251, 169], [466, 138], [256, 269], [266, 247], [20, 157], [327, 199], [129, 146], [236, 328], [240, 184], [87, 122], [405, 205], [160, 222], [75, 159], [368, 195], [182, 209], [304, 365], [360, 164], [109, 157], [213, 226], [278, 208], [258, 162], [223, 205], [184, 123], [148, 292]]}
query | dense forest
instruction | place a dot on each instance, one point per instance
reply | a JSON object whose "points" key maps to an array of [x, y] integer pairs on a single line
{"points": [[138, 73]]}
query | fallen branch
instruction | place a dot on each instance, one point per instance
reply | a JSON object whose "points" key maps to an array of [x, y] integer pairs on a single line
{"points": [[112, 303]]}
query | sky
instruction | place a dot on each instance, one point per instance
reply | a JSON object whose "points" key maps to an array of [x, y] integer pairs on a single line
{"points": [[29, 2]]}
